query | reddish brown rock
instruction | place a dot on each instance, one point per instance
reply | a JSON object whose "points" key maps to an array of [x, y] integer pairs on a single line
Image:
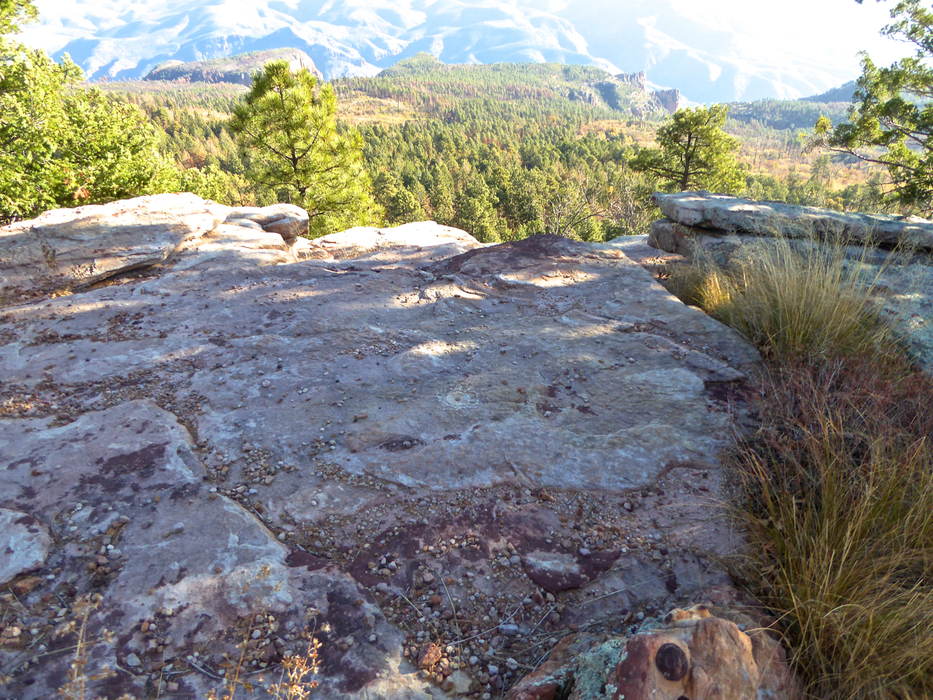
{"points": [[430, 654], [695, 656]]}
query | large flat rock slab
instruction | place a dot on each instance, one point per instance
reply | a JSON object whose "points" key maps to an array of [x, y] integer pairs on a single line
{"points": [[737, 215], [24, 544], [425, 441], [177, 565]]}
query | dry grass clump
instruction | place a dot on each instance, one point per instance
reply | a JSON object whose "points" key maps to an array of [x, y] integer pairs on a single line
{"points": [[836, 487], [793, 296]]}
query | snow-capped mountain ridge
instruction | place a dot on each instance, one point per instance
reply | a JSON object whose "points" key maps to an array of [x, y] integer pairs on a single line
{"points": [[707, 58]]}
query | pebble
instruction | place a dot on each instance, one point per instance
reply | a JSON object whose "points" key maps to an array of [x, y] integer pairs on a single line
{"points": [[133, 661], [509, 630], [493, 670], [511, 663]]}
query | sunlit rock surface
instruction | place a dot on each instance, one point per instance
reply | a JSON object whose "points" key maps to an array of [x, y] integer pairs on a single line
{"points": [[406, 437]]}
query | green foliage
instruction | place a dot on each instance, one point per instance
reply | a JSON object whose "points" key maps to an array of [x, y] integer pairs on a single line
{"points": [[13, 13], [60, 146], [504, 180], [287, 130], [694, 154], [784, 114], [891, 119]]}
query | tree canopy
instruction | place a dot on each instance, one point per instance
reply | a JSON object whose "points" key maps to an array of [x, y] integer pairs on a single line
{"points": [[695, 153], [15, 12], [62, 146], [287, 130], [891, 118]]}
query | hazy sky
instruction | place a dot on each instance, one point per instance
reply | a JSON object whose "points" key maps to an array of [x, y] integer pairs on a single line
{"points": [[832, 28], [814, 40], [836, 29]]}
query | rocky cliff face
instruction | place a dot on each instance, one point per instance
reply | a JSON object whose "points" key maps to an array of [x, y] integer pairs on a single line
{"points": [[639, 79], [437, 457], [669, 99]]}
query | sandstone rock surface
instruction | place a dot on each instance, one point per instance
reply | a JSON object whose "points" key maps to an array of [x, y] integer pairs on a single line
{"points": [[77, 248], [24, 544], [407, 438]]}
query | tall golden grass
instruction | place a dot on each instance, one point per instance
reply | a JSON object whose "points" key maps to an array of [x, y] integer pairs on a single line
{"points": [[835, 489]]}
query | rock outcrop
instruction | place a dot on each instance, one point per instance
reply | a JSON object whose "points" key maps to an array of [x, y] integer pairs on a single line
{"points": [[403, 439], [894, 254], [721, 213], [72, 249], [669, 99], [238, 69]]}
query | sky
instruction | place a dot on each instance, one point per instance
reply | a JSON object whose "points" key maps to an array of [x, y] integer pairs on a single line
{"points": [[836, 29], [822, 36]]}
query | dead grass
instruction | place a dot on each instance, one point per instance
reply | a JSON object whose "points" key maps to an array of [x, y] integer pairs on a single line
{"points": [[836, 487], [837, 496]]}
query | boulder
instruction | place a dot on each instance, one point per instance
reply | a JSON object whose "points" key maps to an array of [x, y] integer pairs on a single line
{"points": [[287, 220], [74, 248], [426, 240]]}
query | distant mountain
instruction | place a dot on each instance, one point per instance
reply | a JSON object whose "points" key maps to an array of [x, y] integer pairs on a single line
{"points": [[696, 53], [234, 69], [843, 93]]}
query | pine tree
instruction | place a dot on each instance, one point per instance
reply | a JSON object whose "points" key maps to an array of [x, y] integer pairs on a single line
{"points": [[287, 130], [891, 119], [694, 154]]}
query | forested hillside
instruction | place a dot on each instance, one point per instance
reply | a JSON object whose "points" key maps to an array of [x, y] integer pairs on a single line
{"points": [[502, 151]]}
